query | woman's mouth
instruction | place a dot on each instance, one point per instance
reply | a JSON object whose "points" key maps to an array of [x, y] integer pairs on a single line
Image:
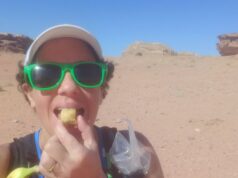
{"points": [[79, 111]]}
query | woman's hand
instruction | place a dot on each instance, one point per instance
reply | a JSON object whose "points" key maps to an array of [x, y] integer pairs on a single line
{"points": [[65, 156]]}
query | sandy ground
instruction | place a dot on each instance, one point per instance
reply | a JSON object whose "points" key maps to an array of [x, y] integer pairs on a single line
{"points": [[186, 106]]}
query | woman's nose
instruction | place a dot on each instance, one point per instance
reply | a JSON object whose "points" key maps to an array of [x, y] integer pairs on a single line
{"points": [[68, 86]]}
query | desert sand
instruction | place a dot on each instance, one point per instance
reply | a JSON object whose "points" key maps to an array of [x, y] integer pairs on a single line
{"points": [[187, 106]]}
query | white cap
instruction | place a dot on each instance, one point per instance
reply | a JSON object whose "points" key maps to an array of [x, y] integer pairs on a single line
{"points": [[64, 30]]}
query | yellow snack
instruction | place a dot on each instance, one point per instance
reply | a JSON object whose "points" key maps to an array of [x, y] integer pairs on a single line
{"points": [[23, 172], [68, 116]]}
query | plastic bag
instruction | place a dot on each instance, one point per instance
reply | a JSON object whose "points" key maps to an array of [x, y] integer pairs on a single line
{"points": [[130, 157]]}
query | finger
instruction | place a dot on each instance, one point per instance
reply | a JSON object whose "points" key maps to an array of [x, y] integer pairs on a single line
{"points": [[67, 140], [46, 173], [46, 165], [55, 149], [46, 161], [87, 133]]}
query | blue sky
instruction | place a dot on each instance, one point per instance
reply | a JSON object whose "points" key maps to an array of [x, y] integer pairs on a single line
{"points": [[184, 25]]}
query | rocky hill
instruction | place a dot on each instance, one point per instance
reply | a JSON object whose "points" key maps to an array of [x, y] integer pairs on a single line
{"points": [[228, 44], [144, 48], [14, 43], [141, 48]]}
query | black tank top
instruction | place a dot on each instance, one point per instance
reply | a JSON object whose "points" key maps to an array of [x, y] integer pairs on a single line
{"points": [[25, 152]]}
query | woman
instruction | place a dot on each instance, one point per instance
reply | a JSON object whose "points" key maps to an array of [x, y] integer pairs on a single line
{"points": [[64, 69]]}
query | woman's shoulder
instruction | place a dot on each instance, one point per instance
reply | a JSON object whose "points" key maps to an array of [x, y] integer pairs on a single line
{"points": [[4, 159], [18, 152], [109, 134], [155, 170]]}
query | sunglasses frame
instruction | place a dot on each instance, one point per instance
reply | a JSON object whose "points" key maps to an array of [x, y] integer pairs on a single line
{"points": [[65, 68]]}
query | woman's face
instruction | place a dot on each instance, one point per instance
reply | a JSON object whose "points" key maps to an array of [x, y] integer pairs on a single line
{"points": [[47, 104]]}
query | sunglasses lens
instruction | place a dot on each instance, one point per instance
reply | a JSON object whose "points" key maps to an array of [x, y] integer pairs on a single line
{"points": [[45, 75], [88, 74]]}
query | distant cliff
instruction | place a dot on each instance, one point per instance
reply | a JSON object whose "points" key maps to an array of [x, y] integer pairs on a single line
{"points": [[228, 44], [14, 43]]}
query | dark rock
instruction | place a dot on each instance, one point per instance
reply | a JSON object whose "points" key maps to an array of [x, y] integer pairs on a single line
{"points": [[228, 44], [14, 43]]}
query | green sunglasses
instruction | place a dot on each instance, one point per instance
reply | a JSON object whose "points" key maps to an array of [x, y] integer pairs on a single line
{"points": [[48, 76]]}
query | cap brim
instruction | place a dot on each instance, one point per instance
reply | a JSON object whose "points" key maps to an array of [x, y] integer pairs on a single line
{"points": [[59, 31]]}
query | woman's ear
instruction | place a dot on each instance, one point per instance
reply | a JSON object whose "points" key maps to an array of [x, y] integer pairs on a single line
{"points": [[27, 90]]}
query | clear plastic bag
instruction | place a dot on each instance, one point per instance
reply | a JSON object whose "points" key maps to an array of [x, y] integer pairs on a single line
{"points": [[131, 156]]}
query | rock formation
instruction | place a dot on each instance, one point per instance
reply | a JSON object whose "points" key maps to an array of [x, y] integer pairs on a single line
{"points": [[14, 43], [228, 44], [141, 48]]}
